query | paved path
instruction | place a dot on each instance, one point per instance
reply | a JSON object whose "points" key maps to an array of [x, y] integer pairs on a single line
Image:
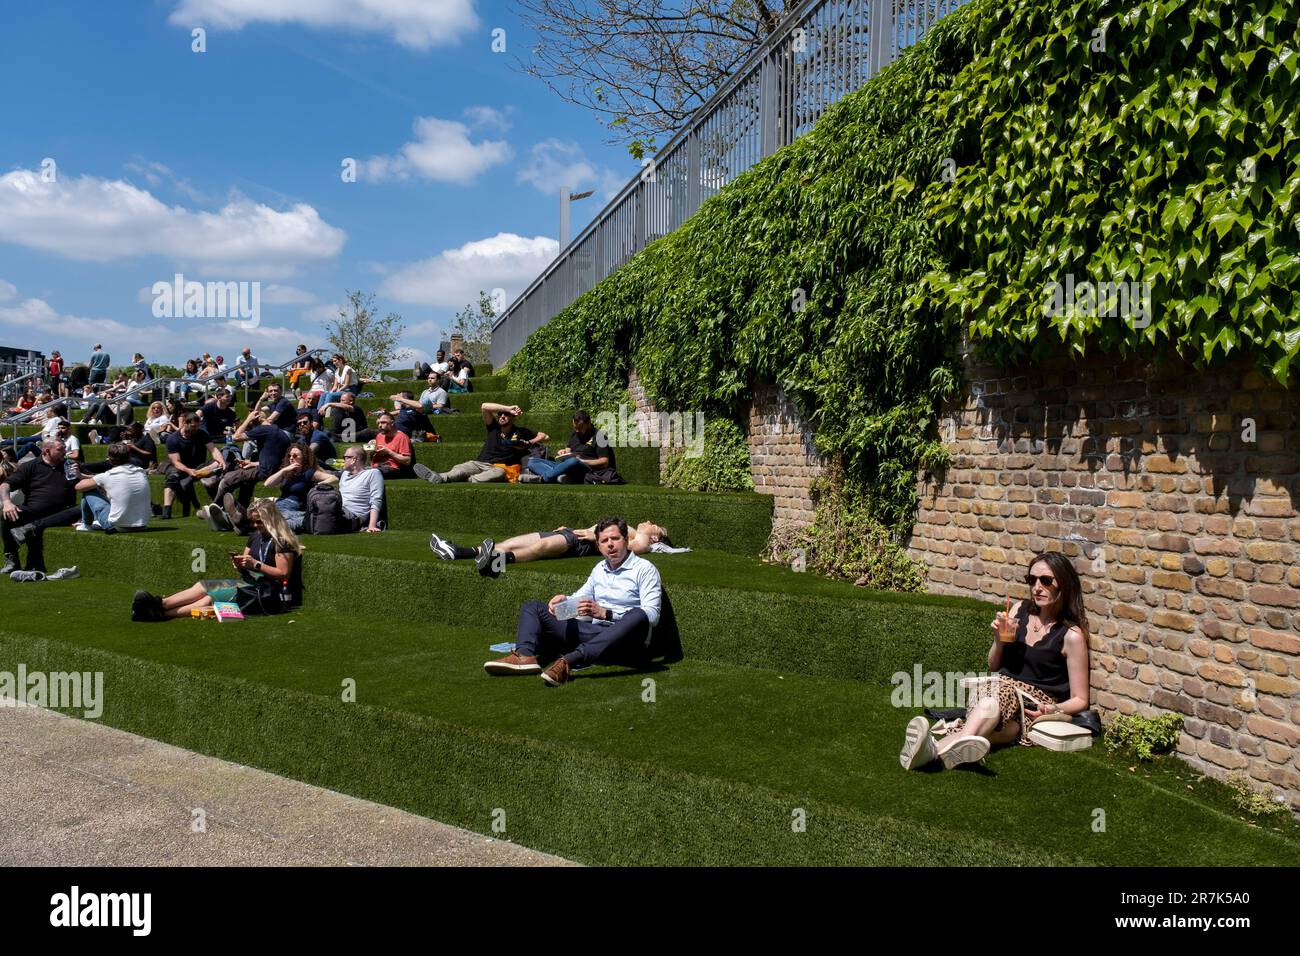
{"points": [[76, 793]]}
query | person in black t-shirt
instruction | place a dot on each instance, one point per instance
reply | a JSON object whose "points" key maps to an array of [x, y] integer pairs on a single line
{"points": [[587, 450], [47, 489], [269, 582], [279, 410], [319, 442], [218, 415], [272, 442], [506, 445], [188, 450], [347, 419]]}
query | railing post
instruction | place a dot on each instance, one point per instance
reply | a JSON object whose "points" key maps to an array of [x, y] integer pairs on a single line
{"points": [[767, 112], [692, 173], [883, 29]]}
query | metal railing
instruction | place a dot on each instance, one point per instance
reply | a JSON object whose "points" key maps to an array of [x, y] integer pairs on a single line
{"points": [[822, 51], [16, 386], [157, 386]]}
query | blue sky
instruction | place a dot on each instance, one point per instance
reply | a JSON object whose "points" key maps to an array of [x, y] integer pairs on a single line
{"points": [[226, 165]]}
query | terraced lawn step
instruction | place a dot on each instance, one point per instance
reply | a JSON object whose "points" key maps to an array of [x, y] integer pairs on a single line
{"points": [[727, 608], [739, 522], [706, 764], [638, 466]]}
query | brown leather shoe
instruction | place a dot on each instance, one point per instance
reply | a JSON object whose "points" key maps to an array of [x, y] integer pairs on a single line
{"points": [[558, 673], [513, 663]]}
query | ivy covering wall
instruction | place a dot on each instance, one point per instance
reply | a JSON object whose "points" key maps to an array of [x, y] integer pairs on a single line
{"points": [[1019, 143]]}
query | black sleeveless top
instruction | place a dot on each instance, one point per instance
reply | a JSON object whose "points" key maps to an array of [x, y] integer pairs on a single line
{"points": [[1043, 665]]}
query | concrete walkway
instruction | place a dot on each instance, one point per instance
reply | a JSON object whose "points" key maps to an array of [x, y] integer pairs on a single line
{"points": [[75, 793]]}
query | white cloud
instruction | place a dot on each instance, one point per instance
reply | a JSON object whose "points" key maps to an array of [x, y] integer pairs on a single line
{"points": [[168, 342], [554, 164], [487, 117], [454, 277], [98, 220], [156, 174], [419, 24], [320, 314], [286, 295], [442, 150], [7, 290]]}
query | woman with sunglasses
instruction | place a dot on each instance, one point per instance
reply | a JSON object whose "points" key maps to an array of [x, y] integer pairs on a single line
{"points": [[1043, 670]]}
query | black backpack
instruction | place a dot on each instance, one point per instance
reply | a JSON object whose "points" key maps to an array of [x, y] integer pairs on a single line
{"points": [[325, 510]]}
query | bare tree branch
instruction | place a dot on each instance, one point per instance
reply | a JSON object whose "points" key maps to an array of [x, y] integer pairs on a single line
{"points": [[643, 66]]}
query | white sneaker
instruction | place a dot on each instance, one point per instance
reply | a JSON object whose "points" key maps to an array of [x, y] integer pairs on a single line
{"points": [[964, 750], [23, 576], [441, 547], [918, 747], [81, 526], [63, 574]]}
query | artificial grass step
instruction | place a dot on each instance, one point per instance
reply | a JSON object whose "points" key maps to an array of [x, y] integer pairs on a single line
{"points": [[638, 466], [736, 522], [712, 771], [728, 609]]}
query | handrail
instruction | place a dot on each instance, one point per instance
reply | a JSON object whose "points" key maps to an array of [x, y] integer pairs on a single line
{"points": [[739, 75], [821, 51]]}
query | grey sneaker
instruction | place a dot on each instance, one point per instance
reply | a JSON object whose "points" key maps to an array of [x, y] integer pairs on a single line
{"points": [[964, 750], [27, 576], [442, 548], [21, 532], [64, 574], [427, 473], [486, 552], [10, 566], [918, 745]]}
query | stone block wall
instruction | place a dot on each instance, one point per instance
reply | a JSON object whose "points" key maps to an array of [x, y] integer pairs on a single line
{"points": [[783, 455], [1174, 492]]}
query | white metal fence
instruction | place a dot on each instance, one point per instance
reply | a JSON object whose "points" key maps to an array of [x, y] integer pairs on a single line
{"points": [[822, 51]]}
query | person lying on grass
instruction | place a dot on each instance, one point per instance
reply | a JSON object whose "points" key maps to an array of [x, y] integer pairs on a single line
{"points": [[269, 582], [541, 545], [615, 610], [1039, 659]]}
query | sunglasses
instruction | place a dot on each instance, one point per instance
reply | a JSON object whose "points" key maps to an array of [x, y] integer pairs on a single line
{"points": [[1046, 580]]}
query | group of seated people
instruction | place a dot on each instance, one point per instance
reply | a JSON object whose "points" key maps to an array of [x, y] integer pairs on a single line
{"points": [[1039, 656]]}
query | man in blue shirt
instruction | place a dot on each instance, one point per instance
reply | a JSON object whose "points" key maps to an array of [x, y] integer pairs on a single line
{"points": [[99, 362], [616, 609]]}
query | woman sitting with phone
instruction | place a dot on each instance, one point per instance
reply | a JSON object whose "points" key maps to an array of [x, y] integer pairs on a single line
{"points": [[1039, 663], [270, 575]]}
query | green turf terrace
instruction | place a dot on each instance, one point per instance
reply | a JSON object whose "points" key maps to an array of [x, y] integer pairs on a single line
{"points": [[781, 704]]}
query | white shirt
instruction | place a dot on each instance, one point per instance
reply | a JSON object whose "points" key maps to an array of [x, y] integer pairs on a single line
{"points": [[323, 381], [49, 428], [361, 493], [72, 445], [345, 377], [159, 421], [462, 376], [634, 583], [127, 487], [441, 367]]}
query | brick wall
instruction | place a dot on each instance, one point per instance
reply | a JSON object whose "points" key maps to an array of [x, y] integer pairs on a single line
{"points": [[1174, 493], [782, 454]]}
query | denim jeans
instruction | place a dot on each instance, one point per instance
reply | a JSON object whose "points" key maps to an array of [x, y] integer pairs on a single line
{"points": [[293, 514], [335, 396], [94, 507], [551, 470]]}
